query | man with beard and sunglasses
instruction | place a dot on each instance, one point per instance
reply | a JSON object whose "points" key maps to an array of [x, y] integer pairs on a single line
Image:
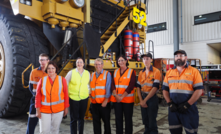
{"points": [[182, 87]]}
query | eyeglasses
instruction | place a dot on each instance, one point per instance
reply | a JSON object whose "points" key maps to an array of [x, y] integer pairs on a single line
{"points": [[97, 64], [180, 55], [79, 62], [43, 59], [50, 68], [121, 60]]}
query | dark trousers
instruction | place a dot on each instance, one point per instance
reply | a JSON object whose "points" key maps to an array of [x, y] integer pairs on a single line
{"points": [[98, 113], [77, 112], [32, 120], [149, 115], [189, 121], [125, 109]]}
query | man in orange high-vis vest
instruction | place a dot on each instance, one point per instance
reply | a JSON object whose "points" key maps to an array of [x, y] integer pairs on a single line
{"points": [[35, 76], [100, 93], [147, 86], [182, 87]]}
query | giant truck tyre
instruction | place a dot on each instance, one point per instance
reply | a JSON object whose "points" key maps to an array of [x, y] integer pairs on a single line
{"points": [[21, 42]]}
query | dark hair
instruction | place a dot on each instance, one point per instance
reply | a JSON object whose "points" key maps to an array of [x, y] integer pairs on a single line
{"points": [[44, 55], [52, 63], [124, 57], [80, 58]]}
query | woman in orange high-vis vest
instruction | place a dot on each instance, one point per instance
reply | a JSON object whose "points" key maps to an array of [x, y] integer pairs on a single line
{"points": [[123, 83], [51, 100]]}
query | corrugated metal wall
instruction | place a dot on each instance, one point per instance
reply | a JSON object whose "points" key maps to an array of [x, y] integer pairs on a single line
{"points": [[160, 11], [195, 37], [208, 31]]}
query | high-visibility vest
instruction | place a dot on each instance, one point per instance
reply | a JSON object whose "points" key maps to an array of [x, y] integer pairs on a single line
{"points": [[121, 84], [78, 86], [52, 100], [98, 85]]}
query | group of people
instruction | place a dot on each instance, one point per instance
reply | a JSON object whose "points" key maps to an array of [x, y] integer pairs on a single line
{"points": [[54, 94]]}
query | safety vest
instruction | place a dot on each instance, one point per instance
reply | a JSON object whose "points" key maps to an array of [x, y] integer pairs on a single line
{"points": [[78, 86], [52, 100], [98, 85], [121, 84]]}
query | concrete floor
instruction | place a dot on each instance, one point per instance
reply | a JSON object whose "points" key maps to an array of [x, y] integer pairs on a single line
{"points": [[210, 121]]}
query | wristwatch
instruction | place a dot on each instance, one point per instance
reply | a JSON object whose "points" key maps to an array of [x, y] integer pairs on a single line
{"points": [[114, 95]]}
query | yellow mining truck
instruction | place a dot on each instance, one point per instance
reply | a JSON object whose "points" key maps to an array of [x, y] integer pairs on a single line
{"points": [[65, 30]]}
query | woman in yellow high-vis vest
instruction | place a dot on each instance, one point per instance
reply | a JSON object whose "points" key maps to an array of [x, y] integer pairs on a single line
{"points": [[78, 81]]}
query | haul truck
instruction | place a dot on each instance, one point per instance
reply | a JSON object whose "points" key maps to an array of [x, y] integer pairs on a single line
{"points": [[65, 30]]}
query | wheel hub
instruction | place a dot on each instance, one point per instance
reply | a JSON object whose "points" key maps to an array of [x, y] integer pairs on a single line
{"points": [[2, 65]]}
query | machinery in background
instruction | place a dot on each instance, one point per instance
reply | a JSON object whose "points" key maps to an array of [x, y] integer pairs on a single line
{"points": [[211, 75], [65, 30]]}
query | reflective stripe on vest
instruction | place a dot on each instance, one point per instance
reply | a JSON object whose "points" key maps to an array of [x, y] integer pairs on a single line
{"points": [[147, 84], [98, 87], [128, 74], [121, 84], [98, 96], [44, 92], [181, 91], [101, 87], [180, 81], [129, 95]]}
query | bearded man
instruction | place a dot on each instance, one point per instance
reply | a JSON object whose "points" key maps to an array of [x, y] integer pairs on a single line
{"points": [[182, 87]]}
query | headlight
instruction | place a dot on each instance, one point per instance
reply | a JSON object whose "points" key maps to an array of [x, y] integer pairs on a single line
{"points": [[139, 26], [77, 3]]}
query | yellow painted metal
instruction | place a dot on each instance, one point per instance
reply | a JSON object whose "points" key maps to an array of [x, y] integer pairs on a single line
{"points": [[33, 11], [70, 12], [53, 22], [42, 11], [121, 4], [64, 24], [67, 68], [22, 75], [136, 98], [73, 25], [112, 38], [108, 65], [2, 65], [87, 11], [143, 6]]}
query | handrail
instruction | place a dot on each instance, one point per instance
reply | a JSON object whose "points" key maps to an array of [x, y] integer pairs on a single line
{"points": [[116, 15], [22, 75], [152, 49], [64, 44], [70, 58], [113, 21]]}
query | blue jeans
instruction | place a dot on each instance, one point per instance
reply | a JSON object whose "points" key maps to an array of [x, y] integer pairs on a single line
{"points": [[149, 115]]}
